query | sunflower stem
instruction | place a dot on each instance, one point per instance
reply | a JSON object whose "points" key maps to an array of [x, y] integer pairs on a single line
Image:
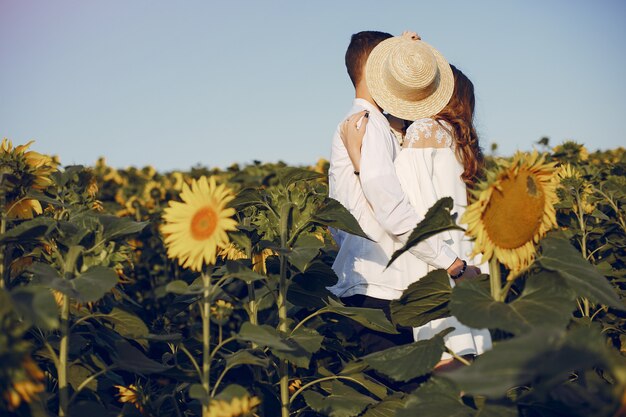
{"points": [[285, 214], [63, 356], [206, 340], [3, 227], [495, 279]]}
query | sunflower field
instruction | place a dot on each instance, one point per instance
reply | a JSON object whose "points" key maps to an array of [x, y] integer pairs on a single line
{"points": [[204, 293]]}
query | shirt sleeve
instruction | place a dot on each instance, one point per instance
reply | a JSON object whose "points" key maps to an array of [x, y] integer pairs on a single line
{"points": [[389, 203]]}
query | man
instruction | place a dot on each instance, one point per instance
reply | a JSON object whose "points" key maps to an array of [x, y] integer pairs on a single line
{"points": [[382, 209]]}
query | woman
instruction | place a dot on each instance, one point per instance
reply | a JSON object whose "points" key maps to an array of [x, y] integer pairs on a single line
{"points": [[440, 157]]}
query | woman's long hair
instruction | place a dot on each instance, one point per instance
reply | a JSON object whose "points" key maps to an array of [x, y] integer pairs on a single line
{"points": [[459, 113]]}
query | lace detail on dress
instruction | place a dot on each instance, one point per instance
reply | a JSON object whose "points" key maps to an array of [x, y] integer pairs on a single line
{"points": [[428, 133]]}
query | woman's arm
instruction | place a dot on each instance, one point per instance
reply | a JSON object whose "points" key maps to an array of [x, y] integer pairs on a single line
{"points": [[352, 132]]}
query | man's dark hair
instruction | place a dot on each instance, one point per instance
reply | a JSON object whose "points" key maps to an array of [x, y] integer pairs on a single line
{"points": [[361, 44]]}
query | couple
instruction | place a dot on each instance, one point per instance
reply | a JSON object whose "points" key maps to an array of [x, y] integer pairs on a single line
{"points": [[389, 170]]}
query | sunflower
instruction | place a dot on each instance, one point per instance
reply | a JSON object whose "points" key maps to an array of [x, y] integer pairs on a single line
{"points": [[232, 253], [29, 170], [196, 228], [259, 258], [571, 151], [295, 385], [221, 311], [571, 181], [236, 407], [27, 389], [513, 211], [153, 190], [132, 395]]}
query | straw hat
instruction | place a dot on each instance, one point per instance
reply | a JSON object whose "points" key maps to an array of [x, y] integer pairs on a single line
{"points": [[409, 79]]}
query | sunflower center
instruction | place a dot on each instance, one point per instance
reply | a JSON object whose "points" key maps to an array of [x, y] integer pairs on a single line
{"points": [[514, 212], [203, 223]]}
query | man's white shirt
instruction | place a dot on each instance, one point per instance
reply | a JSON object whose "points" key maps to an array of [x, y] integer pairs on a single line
{"points": [[377, 201]]}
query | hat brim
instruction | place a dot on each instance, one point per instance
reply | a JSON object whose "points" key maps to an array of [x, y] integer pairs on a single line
{"points": [[397, 106]]}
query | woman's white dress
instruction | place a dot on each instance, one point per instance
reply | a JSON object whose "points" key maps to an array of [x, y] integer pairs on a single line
{"points": [[428, 170]]}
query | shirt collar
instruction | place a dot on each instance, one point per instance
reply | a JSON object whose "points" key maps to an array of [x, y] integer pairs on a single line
{"points": [[370, 107]]}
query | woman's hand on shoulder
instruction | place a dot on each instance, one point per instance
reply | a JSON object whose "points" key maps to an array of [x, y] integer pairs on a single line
{"points": [[352, 133]]}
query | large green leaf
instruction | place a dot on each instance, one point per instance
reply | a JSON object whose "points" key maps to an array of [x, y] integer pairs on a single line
{"points": [[263, 335], [406, 362], [304, 250], [386, 408], [94, 283], [36, 228], [304, 342], [131, 359], [423, 301], [436, 398], [437, 219], [546, 300], [368, 317], [245, 357], [291, 175], [308, 289], [333, 214], [247, 197], [309, 339], [560, 256], [119, 227], [342, 402], [127, 324], [543, 354], [237, 270], [47, 276], [36, 304]]}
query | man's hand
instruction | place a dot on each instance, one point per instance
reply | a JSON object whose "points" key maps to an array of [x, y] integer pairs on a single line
{"points": [[411, 35]]}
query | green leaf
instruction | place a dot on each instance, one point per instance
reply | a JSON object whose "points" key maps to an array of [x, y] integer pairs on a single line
{"points": [[436, 398], [424, 300], [131, 359], [309, 339], [437, 219], [177, 286], [77, 373], [245, 357], [342, 402], [309, 289], [406, 362], [291, 175], [386, 408], [94, 283], [237, 270], [119, 227], [247, 197], [197, 392], [232, 391], [263, 335], [544, 354], [36, 228], [36, 304], [560, 256], [368, 317], [127, 324], [305, 249], [494, 410], [546, 300], [331, 213]]}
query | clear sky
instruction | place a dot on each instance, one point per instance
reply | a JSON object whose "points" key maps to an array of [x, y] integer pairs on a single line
{"points": [[176, 83]]}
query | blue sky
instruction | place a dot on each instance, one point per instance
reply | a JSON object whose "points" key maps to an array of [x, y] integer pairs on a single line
{"points": [[173, 84]]}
